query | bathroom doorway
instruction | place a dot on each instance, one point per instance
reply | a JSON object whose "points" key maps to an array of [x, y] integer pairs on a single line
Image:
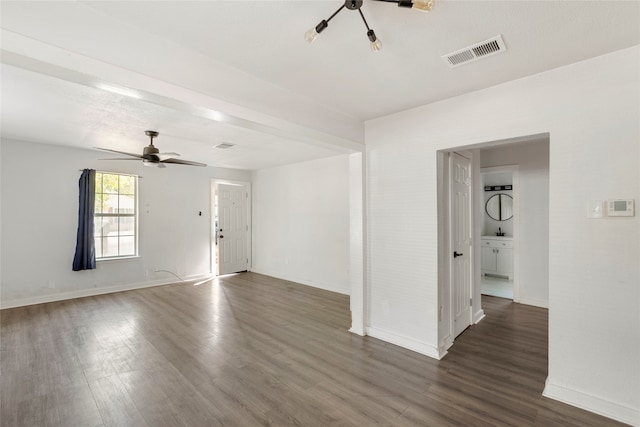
{"points": [[526, 234], [499, 226], [527, 159]]}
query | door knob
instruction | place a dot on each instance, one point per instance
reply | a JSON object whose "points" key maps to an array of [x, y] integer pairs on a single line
{"points": [[456, 254]]}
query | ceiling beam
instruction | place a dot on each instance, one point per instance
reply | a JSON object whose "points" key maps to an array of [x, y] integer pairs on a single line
{"points": [[37, 56]]}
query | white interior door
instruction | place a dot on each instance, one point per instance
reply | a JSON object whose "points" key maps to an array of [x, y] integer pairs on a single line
{"points": [[461, 242], [232, 232]]}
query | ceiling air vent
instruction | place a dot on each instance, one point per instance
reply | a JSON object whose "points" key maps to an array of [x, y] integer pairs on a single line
{"points": [[224, 146], [474, 52]]}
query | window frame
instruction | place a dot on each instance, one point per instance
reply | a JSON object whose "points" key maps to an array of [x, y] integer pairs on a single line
{"points": [[99, 216]]}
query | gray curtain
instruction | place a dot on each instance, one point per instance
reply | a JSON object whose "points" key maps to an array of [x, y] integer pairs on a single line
{"points": [[85, 257]]}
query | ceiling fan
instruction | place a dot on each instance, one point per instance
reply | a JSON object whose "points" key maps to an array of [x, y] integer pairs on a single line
{"points": [[151, 156]]}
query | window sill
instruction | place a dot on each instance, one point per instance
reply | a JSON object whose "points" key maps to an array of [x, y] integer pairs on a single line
{"points": [[121, 258]]}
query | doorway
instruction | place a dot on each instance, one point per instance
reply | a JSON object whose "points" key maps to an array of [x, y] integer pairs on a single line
{"points": [[499, 225], [231, 227], [531, 243]]}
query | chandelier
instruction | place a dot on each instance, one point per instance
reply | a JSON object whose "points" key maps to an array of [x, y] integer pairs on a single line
{"points": [[376, 45]]}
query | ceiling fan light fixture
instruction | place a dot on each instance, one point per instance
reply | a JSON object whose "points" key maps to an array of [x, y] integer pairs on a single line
{"points": [[152, 164], [151, 156]]}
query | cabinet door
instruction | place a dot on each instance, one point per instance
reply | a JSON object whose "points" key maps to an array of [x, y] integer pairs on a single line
{"points": [[505, 260], [489, 260]]}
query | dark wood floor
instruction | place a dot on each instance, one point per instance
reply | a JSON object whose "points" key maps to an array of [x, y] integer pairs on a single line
{"points": [[253, 350]]}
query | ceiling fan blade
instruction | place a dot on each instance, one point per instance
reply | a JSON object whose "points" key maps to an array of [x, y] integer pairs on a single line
{"points": [[183, 162], [119, 152], [165, 156], [123, 158]]}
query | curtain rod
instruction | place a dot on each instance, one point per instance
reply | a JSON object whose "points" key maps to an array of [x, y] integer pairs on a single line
{"points": [[116, 173]]}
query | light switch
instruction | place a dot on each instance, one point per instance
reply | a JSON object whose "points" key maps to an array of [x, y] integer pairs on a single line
{"points": [[594, 209]]}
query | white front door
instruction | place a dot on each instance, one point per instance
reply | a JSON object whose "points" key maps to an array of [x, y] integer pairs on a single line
{"points": [[461, 242], [231, 236]]}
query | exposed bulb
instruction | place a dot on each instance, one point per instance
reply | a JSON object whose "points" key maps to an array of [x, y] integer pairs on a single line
{"points": [[376, 45], [423, 5], [311, 35]]}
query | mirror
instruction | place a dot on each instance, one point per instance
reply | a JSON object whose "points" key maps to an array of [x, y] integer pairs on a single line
{"points": [[500, 207]]}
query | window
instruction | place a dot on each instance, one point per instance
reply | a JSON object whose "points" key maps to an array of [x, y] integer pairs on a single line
{"points": [[116, 215]]}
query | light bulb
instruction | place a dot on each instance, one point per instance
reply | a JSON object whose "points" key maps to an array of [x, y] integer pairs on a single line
{"points": [[376, 45], [423, 5], [311, 35]]}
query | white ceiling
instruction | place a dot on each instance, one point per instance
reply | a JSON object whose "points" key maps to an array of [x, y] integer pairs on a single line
{"points": [[265, 38], [275, 72], [41, 108]]}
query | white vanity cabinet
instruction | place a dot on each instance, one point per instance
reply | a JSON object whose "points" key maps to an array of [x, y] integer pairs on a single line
{"points": [[497, 256]]}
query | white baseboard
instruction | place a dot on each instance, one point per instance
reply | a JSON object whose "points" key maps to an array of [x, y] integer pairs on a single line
{"points": [[357, 325], [80, 293], [406, 342], [444, 346], [290, 278], [358, 331], [478, 316], [535, 302], [591, 403]]}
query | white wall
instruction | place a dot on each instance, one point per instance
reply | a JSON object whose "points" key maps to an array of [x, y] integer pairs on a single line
{"points": [[590, 109], [301, 223], [533, 235], [39, 221]]}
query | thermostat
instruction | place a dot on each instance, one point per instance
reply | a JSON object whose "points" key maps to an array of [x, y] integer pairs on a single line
{"points": [[620, 207]]}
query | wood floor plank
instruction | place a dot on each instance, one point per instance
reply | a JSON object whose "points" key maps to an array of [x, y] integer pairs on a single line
{"points": [[76, 406], [114, 403], [355, 408], [250, 350], [37, 411], [167, 399]]}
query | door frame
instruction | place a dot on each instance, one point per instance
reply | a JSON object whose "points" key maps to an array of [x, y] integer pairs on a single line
{"points": [[212, 230], [515, 180], [445, 333]]}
